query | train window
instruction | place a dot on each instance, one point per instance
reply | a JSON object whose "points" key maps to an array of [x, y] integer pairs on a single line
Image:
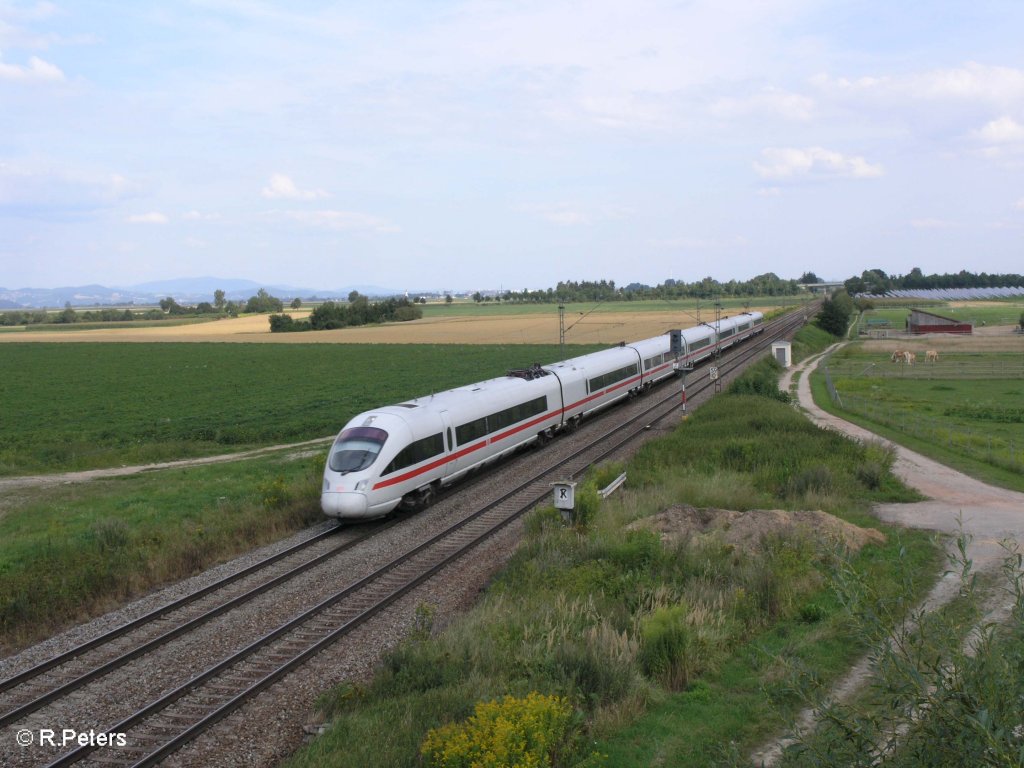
{"points": [[355, 449], [758, 320], [744, 327], [516, 413], [727, 333], [700, 343], [599, 382], [471, 431], [474, 430], [415, 452], [450, 445]]}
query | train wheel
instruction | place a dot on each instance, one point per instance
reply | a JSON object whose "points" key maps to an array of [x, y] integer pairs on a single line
{"points": [[426, 498]]}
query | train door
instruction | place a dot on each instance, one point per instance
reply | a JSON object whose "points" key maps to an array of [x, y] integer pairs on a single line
{"points": [[449, 442]]}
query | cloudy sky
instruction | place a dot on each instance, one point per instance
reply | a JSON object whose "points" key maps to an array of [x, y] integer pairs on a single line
{"points": [[485, 144]]}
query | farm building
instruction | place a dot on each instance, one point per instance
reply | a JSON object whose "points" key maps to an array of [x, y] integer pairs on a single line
{"points": [[927, 322]]}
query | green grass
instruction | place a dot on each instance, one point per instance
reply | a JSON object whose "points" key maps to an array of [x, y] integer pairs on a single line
{"points": [[73, 551], [751, 697], [974, 425], [810, 340], [80, 406], [670, 652], [1005, 312]]}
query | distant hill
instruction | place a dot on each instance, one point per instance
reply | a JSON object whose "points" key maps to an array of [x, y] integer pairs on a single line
{"points": [[186, 290], [196, 285]]}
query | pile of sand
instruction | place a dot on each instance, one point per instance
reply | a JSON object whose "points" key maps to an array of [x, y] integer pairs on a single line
{"points": [[747, 530]]}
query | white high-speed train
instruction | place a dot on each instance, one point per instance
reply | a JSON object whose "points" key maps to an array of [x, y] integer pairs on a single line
{"points": [[401, 454]]}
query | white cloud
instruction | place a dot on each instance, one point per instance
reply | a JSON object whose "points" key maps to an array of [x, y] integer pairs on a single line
{"points": [[813, 162], [996, 86], [340, 220], [194, 215], [769, 101], [769, 191], [36, 71], [1004, 130], [281, 186], [1003, 139], [573, 214], [56, 186], [1019, 205], [153, 217]]}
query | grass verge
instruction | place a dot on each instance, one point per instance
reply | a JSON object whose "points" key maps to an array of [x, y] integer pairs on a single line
{"points": [[75, 551], [674, 652]]}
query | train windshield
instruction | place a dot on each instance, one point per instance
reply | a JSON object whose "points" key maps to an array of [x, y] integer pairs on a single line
{"points": [[355, 449]]}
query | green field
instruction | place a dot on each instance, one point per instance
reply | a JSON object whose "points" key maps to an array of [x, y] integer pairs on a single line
{"points": [[78, 406], [98, 325], [979, 313], [967, 410]]}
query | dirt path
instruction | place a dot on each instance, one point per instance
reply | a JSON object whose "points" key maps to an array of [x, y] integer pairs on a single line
{"points": [[988, 514], [40, 481]]}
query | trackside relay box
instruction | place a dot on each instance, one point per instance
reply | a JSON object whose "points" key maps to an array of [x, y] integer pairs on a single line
{"points": [[565, 495]]}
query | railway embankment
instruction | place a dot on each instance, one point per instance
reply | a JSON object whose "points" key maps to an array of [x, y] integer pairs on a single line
{"points": [[668, 648]]}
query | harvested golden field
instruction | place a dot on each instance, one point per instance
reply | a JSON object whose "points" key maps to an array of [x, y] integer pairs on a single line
{"points": [[598, 328]]}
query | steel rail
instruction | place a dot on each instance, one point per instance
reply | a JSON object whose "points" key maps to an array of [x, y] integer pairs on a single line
{"points": [[299, 657]]}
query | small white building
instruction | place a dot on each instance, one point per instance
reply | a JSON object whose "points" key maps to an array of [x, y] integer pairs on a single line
{"points": [[782, 351]]}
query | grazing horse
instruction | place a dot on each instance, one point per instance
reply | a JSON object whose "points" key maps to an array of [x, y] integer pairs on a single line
{"points": [[910, 357], [897, 356], [931, 356]]}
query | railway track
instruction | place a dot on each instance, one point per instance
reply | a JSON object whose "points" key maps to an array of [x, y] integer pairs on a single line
{"points": [[28, 691], [163, 726]]}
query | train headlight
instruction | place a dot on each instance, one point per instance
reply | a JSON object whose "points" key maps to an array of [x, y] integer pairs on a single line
{"points": [[362, 485], [327, 484]]}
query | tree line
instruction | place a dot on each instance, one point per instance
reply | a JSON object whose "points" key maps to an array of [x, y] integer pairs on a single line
{"points": [[768, 284], [876, 281], [358, 311]]}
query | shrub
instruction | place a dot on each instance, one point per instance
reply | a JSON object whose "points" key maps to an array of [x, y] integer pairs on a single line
{"points": [[415, 668], [580, 667], [816, 479], [587, 505], [534, 731], [274, 493], [287, 324], [542, 519], [762, 379], [665, 652]]}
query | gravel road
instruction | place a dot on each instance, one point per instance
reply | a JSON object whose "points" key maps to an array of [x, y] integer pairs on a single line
{"points": [[989, 515]]}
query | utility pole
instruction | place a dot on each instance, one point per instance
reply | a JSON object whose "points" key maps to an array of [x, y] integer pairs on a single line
{"points": [[561, 327]]}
